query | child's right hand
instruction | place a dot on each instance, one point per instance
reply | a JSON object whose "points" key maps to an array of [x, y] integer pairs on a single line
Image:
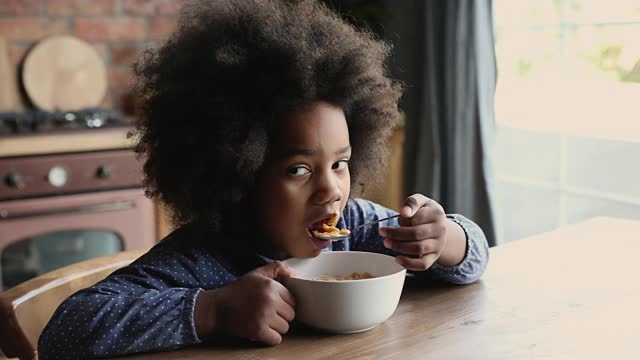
{"points": [[255, 306]]}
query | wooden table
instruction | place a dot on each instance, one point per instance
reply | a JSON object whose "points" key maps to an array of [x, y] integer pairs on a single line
{"points": [[573, 293]]}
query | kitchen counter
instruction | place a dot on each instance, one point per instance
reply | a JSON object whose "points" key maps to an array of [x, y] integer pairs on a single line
{"points": [[64, 142]]}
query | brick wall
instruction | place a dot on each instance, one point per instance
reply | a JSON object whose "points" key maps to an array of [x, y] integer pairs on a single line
{"points": [[118, 29]]}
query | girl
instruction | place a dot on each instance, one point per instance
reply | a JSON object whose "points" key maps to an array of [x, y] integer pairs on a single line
{"points": [[259, 119]]}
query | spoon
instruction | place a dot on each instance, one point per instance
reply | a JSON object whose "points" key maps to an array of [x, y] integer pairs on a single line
{"points": [[342, 237]]}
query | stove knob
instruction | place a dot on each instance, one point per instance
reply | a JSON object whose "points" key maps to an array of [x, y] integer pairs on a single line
{"points": [[14, 180], [103, 172], [58, 176]]}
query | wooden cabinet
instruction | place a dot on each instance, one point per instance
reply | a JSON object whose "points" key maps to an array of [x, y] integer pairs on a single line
{"points": [[390, 192]]}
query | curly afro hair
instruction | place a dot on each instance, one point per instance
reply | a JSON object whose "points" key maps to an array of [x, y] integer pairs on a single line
{"points": [[233, 68]]}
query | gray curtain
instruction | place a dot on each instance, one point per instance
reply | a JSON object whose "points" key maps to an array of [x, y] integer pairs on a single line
{"points": [[450, 125]]}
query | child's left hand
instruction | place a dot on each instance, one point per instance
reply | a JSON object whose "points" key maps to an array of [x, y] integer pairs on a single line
{"points": [[422, 234]]}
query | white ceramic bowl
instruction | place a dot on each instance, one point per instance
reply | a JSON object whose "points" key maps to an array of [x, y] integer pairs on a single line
{"points": [[346, 306]]}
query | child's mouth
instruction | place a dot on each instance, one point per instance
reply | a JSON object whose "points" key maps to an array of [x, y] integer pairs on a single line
{"points": [[318, 225], [326, 229], [318, 243], [318, 231]]}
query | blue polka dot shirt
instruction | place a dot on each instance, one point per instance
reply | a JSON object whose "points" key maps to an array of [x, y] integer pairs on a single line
{"points": [[148, 305]]}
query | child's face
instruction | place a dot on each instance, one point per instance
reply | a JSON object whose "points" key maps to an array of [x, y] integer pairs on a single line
{"points": [[304, 179]]}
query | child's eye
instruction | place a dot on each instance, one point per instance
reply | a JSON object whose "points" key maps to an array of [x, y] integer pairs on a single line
{"points": [[340, 165], [298, 171]]}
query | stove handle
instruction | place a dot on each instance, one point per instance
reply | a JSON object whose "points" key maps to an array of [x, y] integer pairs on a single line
{"points": [[84, 209]]}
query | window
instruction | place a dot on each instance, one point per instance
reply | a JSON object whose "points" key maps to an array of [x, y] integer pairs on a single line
{"points": [[568, 135]]}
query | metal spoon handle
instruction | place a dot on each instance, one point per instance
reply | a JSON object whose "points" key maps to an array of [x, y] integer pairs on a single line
{"points": [[376, 221]]}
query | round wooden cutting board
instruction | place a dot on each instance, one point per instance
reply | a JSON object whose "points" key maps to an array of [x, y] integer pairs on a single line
{"points": [[64, 73]]}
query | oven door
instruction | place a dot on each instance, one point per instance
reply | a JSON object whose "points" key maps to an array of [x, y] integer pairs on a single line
{"points": [[43, 234]]}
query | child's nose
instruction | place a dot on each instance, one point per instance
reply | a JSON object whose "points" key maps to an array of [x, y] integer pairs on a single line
{"points": [[327, 189]]}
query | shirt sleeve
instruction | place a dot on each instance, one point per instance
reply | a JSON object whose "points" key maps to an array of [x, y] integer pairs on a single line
{"points": [[146, 306], [471, 268]]}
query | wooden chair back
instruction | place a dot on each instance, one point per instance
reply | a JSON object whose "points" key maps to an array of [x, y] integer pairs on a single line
{"points": [[26, 308]]}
